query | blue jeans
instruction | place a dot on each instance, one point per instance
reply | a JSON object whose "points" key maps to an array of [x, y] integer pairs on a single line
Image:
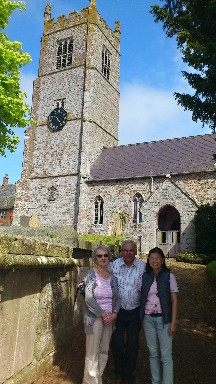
{"points": [[160, 347]]}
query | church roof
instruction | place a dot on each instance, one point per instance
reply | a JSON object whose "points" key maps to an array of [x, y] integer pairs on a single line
{"points": [[7, 196], [156, 158]]}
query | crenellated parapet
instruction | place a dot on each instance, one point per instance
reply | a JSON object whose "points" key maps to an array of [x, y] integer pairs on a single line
{"points": [[89, 14], [117, 29]]}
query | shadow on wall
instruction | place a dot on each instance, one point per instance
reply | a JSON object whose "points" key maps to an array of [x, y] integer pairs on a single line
{"points": [[37, 315]]}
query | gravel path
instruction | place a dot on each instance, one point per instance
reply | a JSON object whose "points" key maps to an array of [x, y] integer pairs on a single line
{"points": [[194, 347]]}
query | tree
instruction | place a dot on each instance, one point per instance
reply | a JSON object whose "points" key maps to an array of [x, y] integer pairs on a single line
{"points": [[205, 224], [13, 109], [193, 23]]}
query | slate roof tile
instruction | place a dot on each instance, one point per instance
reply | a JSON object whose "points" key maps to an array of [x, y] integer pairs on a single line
{"points": [[7, 196], [155, 158]]}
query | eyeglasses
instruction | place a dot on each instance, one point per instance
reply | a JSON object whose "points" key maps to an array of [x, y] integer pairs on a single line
{"points": [[104, 255], [131, 251]]}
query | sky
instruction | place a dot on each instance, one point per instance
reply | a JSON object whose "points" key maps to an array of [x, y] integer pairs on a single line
{"points": [[150, 72]]}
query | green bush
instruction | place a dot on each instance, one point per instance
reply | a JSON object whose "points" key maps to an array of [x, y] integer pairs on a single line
{"points": [[114, 242], [211, 271], [205, 225], [102, 239], [192, 258]]}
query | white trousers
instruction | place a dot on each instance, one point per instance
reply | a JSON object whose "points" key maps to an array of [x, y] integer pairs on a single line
{"points": [[97, 347]]}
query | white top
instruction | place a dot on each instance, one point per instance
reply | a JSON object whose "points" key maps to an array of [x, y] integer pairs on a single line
{"points": [[129, 281]]}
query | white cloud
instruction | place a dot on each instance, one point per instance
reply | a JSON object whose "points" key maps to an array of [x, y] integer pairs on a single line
{"points": [[26, 84], [148, 114]]}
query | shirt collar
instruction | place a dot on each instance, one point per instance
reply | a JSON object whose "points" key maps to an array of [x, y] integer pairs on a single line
{"points": [[135, 262]]}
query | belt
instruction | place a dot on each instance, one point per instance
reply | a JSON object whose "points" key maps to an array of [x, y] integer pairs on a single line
{"points": [[154, 314], [130, 310]]}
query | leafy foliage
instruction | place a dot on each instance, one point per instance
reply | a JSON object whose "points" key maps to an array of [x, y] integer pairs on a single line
{"points": [[13, 108], [205, 225], [193, 23], [192, 258], [113, 242], [102, 239], [123, 218], [211, 271]]}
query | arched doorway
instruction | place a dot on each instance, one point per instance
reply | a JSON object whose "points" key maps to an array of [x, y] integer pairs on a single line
{"points": [[168, 233]]}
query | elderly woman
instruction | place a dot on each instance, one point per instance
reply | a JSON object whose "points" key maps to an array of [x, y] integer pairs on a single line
{"points": [[102, 304]]}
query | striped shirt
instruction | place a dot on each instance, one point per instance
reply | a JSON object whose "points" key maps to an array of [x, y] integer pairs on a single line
{"points": [[103, 293], [129, 281]]}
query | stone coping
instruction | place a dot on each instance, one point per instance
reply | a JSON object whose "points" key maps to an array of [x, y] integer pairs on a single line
{"points": [[21, 252], [31, 261]]}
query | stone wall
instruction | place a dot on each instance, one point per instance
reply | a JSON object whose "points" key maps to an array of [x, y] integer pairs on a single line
{"points": [[57, 160], [37, 313], [183, 192]]}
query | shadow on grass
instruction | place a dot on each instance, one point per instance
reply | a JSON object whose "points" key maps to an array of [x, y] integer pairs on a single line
{"points": [[194, 344]]}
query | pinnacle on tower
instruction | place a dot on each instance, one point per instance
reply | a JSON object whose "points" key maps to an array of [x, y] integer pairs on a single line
{"points": [[47, 13], [93, 3]]}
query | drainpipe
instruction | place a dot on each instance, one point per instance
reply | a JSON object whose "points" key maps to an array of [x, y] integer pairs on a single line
{"points": [[152, 184]]}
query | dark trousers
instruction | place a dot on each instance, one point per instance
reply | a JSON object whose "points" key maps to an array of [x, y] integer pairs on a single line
{"points": [[125, 342]]}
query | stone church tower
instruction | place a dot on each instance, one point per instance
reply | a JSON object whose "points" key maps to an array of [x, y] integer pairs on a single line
{"points": [[76, 107]]}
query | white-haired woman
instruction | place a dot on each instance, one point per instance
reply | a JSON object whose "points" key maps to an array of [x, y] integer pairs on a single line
{"points": [[102, 304]]}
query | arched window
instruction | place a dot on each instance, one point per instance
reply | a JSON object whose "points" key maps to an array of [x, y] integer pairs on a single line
{"points": [[98, 219], [64, 54], [137, 205]]}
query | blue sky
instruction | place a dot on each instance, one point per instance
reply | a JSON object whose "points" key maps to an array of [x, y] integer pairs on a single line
{"points": [[151, 69]]}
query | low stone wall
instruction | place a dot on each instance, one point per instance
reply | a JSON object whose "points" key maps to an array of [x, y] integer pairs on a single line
{"points": [[37, 313]]}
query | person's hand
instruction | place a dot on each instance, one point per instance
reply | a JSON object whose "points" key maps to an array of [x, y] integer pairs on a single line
{"points": [[172, 329], [109, 318], [104, 316], [80, 284]]}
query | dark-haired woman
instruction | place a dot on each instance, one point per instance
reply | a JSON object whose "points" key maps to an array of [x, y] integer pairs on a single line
{"points": [[102, 303], [158, 311]]}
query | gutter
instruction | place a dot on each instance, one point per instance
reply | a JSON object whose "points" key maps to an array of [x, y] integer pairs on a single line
{"points": [[147, 176]]}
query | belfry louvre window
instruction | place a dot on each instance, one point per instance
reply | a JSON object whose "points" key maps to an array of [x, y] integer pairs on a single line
{"points": [[106, 58], [98, 218], [64, 54], [60, 103]]}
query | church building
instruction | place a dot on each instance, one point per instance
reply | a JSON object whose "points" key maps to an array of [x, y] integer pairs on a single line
{"points": [[74, 173]]}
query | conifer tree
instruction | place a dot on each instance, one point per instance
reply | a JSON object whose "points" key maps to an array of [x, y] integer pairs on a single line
{"points": [[193, 23]]}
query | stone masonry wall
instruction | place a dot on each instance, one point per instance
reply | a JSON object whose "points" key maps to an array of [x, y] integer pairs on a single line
{"points": [[37, 313], [56, 159], [184, 192]]}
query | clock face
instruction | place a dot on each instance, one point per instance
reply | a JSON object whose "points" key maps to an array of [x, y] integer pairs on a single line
{"points": [[57, 119]]}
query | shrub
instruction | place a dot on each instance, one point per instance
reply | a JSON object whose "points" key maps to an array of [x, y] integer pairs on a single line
{"points": [[192, 258], [211, 271], [102, 239], [205, 224]]}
